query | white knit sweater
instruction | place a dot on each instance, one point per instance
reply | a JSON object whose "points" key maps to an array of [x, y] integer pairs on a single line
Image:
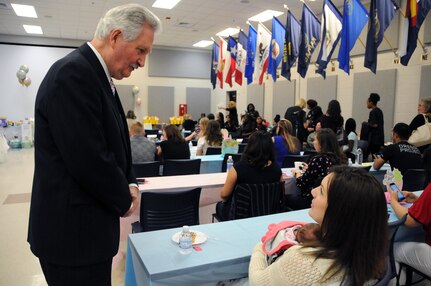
{"points": [[294, 267]]}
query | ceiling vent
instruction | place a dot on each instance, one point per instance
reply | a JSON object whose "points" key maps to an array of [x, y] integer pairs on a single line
{"points": [[184, 25]]}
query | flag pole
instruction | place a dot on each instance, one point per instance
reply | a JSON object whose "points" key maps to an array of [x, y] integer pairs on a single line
{"points": [[361, 42], [390, 45], [418, 40]]}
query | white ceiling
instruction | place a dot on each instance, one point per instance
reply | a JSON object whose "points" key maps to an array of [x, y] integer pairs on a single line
{"points": [[77, 19]]}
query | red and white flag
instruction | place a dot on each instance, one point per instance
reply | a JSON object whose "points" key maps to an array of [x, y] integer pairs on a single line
{"points": [[262, 52]]}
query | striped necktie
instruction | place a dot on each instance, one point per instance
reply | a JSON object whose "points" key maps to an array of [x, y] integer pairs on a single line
{"points": [[112, 86]]}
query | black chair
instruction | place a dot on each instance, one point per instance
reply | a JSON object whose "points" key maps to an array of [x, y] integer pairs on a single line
{"points": [[241, 147], [251, 200], [213, 150], [164, 210], [391, 271], [289, 160], [235, 158], [181, 167], [147, 169], [414, 179], [409, 275]]}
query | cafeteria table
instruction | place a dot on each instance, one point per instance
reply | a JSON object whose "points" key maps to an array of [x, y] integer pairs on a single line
{"points": [[153, 258]]}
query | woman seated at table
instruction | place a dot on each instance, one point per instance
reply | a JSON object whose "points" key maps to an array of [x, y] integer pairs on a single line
{"points": [[416, 253], [173, 146], [328, 154], [211, 137], [257, 166], [351, 210], [199, 131], [284, 142]]}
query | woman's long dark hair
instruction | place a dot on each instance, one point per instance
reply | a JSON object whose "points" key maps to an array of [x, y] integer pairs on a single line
{"points": [[354, 227], [350, 126], [260, 149], [173, 134], [213, 134], [334, 111], [329, 146]]}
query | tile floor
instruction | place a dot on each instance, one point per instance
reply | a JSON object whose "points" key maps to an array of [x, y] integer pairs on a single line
{"points": [[18, 266]]}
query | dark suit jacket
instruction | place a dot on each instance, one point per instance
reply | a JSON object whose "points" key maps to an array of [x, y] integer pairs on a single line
{"points": [[82, 164]]}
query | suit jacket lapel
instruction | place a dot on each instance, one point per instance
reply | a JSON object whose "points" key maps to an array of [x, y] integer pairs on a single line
{"points": [[117, 109]]}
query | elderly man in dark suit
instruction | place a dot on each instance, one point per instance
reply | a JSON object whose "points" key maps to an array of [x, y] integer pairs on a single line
{"points": [[83, 180]]}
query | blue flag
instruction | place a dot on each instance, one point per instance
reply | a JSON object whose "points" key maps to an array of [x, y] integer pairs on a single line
{"points": [[276, 48], [416, 12], [381, 14], [310, 27], [354, 19], [251, 53], [214, 64], [291, 44], [331, 28]]}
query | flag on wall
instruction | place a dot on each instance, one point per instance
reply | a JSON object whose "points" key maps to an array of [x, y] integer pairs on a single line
{"points": [[331, 28], [251, 53], [416, 12], [354, 19], [291, 44], [241, 57], [381, 14], [232, 49], [262, 52], [221, 61], [214, 64], [276, 47], [310, 27]]}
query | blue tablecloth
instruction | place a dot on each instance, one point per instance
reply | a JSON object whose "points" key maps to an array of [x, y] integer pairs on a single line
{"points": [[153, 259], [211, 163]]}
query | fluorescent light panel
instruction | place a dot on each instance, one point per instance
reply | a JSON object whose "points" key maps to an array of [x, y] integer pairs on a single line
{"points": [[165, 4], [31, 29], [203, 44], [265, 16], [24, 10], [228, 32]]}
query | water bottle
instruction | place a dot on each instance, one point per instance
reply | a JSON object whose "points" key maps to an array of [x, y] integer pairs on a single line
{"points": [[185, 240], [350, 162], [229, 163], [359, 157]]}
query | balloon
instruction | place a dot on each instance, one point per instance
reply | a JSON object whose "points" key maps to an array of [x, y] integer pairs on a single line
{"points": [[135, 90], [138, 101], [24, 68], [21, 81], [21, 74], [27, 81]]}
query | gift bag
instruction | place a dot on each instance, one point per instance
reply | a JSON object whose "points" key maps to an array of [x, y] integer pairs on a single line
{"points": [[422, 135]]}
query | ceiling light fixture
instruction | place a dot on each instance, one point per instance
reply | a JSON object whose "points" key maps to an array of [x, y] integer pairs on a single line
{"points": [[265, 16], [203, 44], [228, 32], [31, 29], [165, 4], [24, 10]]}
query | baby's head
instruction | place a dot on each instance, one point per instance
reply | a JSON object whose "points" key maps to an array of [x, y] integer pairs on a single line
{"points": [[309, 233]]}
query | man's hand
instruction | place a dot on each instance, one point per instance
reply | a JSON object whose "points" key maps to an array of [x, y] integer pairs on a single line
{"points": [[134, 194]]}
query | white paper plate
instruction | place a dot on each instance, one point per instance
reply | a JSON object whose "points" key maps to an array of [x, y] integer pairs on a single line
{"points": [[200, 237]]}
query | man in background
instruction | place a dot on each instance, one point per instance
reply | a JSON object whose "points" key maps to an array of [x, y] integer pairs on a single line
{"points": [[143, 150], [401, 155], [83, 179]]}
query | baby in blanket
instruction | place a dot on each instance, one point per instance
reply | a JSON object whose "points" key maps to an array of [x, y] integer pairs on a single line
{"points": [[283, 235]]}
